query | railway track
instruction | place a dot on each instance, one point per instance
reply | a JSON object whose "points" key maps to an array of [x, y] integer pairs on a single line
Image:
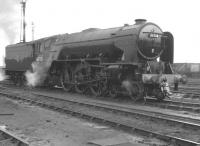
{"points": [[8, 139], [181, 105], [189, 92], [175, 105], [191, 89], [131, 110], [67, 106]]}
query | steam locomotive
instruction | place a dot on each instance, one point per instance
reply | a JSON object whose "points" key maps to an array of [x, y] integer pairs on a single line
{"points": [[130, 60]]}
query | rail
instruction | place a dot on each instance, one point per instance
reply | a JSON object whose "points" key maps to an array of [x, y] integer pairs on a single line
{"points": [[9, 139], [115, 122]]}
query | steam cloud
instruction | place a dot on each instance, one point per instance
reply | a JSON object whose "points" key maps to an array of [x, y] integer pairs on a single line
{"points": [[128, 86], [37, 76], [2, 75], [8, 20]]}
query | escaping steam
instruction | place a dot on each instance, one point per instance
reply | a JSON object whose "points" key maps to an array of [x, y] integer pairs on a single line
{"points": [[37, 76], [128, 86], [2, 75], [39, 72], [9, 21]]}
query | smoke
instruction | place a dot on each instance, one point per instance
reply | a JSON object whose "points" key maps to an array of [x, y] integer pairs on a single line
{"points": [[9, 21], [2, 75], [40, 69], [37, 76], [128, 86]]}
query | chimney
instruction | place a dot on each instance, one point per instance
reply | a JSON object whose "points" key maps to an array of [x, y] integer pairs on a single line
{"points": [[140, 21], [126, 25]]}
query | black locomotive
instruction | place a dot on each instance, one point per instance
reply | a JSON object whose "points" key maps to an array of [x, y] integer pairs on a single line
{"points": [[131, 60]]}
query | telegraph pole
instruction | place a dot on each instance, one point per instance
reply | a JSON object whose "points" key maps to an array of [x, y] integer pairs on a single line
{"points": [[23, 22]]}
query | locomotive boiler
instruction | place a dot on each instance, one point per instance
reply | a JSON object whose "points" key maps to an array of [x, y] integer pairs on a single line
{"points": [[130, 60]]}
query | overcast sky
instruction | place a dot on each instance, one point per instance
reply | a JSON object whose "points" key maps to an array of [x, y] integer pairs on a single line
{"points": [[180, 17]]}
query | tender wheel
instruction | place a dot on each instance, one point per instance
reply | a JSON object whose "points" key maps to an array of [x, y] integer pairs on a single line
{"points": [[18, 80], [65, 79]]}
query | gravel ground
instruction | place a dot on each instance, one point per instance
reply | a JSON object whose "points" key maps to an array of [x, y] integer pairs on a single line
{"points": [[153, 125], [194, 135], [41, 127]]}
